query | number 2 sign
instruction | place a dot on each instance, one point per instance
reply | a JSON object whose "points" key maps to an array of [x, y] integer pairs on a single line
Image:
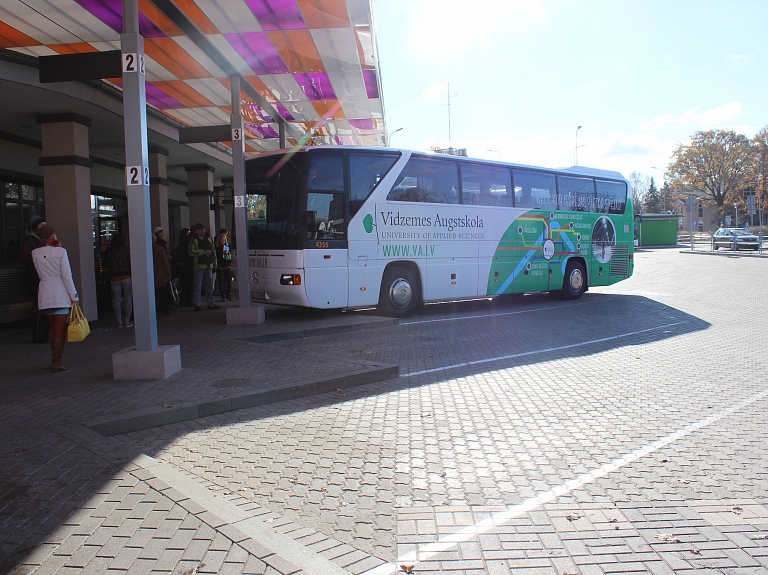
{"points": [[133, 176], [133, 62]]}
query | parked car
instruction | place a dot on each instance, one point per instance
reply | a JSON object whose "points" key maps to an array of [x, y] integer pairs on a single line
{"points": [[735, 238]]}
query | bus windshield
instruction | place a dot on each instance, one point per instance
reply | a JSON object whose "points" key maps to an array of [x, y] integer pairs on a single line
{"points": [[272, 185]]}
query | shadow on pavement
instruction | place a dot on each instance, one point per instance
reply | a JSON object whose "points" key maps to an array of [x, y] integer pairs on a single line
{"points": [[52, 464]]}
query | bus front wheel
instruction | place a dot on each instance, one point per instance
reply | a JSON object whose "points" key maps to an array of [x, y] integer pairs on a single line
{"points": [[399, 292], [575, 280]]}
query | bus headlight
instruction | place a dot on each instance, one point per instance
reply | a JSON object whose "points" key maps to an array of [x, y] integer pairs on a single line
{"points": [[290, 280]]}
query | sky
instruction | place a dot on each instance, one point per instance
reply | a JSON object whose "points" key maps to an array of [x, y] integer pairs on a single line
{"points": [[638, 76]]}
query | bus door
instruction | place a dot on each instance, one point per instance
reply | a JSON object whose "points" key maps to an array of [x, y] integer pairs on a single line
{"points": [[366, 170], [325, 248]]}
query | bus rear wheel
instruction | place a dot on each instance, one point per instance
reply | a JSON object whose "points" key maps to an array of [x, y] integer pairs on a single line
{"points": [[575, 280], [400, 293]]}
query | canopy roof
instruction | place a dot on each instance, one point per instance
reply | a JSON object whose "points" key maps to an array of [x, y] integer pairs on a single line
{"points": [[311, 62]]}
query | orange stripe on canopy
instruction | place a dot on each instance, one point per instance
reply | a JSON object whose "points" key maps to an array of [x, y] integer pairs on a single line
{"points": [[324, 13], [77, 48], [260, 87], [197, 16], [298, 50], [11, 38], [184, 93], [159, 19], [329, 110], [174, 58]]}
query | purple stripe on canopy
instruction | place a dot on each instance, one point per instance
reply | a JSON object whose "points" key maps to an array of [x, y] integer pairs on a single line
{"points": [[258, 52], [263, 131], [258, 111], [277, 14], [160, 99], [111, 13], [371, 83], [316, 85], [362, 123], [287, 116]]}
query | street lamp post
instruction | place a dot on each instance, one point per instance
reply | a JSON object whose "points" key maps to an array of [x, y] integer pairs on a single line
{"points": [[389, 139], [576, 148]]}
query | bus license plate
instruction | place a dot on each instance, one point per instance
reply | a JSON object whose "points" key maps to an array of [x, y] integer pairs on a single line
{"points": [[260, 295]]}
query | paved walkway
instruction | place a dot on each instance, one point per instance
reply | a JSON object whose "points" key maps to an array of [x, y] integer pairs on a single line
{"points": [[129, 511]]}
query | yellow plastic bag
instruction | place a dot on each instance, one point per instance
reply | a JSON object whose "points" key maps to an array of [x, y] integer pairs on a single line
{"points": [[78, 328]]}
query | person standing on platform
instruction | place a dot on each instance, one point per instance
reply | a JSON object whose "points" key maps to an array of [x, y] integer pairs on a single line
{"points": [[203, 262], [182, 268], [162, 272], [119, 264], [223, 265], [29, 243], [57, 291]]}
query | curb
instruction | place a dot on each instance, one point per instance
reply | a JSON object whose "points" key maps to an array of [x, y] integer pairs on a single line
{"points": [[730, 254], [155, 417]]}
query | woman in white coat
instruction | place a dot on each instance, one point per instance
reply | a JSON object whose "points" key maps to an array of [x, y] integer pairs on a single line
{"points": [[57, 291]]}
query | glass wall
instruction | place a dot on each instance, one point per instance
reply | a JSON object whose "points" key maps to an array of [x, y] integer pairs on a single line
{"points": [[20, 201]]}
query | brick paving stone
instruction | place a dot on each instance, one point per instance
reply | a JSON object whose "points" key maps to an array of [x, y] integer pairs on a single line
{"points": [[478, 437]]}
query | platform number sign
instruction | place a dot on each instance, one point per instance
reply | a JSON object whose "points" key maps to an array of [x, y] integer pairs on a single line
{"points": [[133, 176], [133, 62], [237, 134], [239, 201]]}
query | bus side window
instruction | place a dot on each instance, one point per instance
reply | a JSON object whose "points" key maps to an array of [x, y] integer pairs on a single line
{"points": [[427, 180], [326, 172], [534, 189], [486, 185], [366, 169], [576, 194], [611, 197]]}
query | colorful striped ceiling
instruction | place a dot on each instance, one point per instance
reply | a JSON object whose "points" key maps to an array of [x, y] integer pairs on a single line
{"points": [[313, 61]]}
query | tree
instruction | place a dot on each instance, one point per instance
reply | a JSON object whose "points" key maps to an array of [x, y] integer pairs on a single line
{"points": [[760, 146], [652, 200], [717, 163], [639, 184]]}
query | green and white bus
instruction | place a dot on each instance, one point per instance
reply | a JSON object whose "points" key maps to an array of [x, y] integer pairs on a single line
{"points": [[351, 227]]}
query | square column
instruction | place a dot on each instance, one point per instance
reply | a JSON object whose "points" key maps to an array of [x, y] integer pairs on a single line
{"points": [[158, 187], [200, 187], [67, 179]]}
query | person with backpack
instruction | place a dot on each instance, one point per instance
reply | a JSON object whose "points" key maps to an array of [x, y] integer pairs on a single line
{"points": [[203, 254]]}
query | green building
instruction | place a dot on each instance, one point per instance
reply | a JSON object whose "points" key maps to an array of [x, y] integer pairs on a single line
{"points": [[656, 229]]}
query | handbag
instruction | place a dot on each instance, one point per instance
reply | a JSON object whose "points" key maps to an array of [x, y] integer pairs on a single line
{"points": [[173, 291], [78, 328]]}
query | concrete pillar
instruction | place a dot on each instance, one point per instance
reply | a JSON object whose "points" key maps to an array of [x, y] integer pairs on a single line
{"points": [[158, 188], [67, 179], [200, 186]]}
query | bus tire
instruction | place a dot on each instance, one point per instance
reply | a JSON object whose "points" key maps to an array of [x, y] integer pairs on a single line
{"points": [[400, 292], [575, 280]]}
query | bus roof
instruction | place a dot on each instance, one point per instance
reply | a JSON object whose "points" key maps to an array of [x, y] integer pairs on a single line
{"points": [[573, 170]]}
